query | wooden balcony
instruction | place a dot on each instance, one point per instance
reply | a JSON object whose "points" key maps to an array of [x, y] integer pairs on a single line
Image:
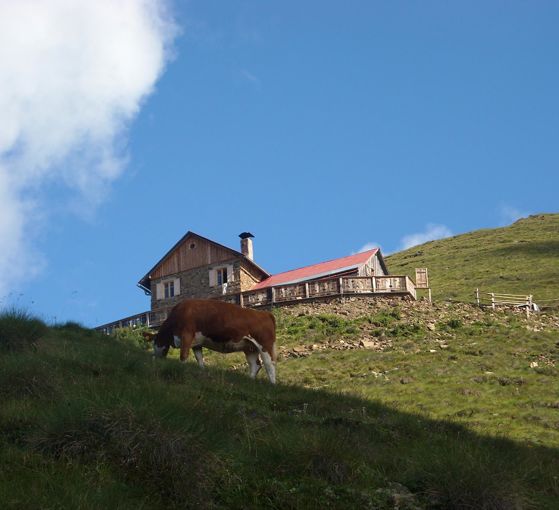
{"points": [[140, 319], [328, 287], [333, 287]]}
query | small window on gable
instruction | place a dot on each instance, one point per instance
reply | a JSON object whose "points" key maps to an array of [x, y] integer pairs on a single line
{"points": [[221, 275], [192, 246], [170, 289]]}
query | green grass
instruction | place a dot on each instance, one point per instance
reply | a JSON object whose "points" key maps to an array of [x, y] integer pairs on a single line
{"points": [[484, 382], [454, 408], [522, 258], [19, 330], [89, 421]]}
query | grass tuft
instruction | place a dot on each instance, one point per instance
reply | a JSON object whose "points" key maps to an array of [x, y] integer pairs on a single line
{"points": [[19, 330], [73, 326]]}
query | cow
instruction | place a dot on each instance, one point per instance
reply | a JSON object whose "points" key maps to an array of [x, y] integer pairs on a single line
{"points": [[221, 327]]}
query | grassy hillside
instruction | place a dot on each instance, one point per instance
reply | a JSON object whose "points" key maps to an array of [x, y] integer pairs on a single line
{"points": [[449, 407], [522, 258]]}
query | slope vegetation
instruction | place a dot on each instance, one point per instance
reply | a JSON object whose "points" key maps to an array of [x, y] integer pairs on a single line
{"points": [[522, 258], [450, 408]]}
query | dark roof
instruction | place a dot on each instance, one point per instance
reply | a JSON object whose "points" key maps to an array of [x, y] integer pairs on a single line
{"points": [[145, 282]]}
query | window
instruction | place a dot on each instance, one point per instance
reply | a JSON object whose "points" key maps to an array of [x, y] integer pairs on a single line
{"points": [[169, 289], [221, 275]]}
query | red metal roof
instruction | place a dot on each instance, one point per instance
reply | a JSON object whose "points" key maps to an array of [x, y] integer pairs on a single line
{"points": [[317, 270]]}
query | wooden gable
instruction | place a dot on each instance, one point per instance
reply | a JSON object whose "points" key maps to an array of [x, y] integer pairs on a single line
{"points": [[190, 252]]}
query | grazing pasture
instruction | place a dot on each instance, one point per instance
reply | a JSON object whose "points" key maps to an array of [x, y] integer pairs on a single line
{"points": [[444, 408], [522, 258]]}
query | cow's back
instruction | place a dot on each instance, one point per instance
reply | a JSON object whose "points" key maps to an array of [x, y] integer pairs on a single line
{"points": [[219, 319]]}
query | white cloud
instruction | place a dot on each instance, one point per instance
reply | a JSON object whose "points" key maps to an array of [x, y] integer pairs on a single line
{"points": [[251, 78], [432, 231], [510, 214], [367, 247], [73, 76]]}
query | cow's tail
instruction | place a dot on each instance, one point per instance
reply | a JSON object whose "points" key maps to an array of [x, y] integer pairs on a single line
{"points": [[267, 358], [255, 343], [261, 350]]}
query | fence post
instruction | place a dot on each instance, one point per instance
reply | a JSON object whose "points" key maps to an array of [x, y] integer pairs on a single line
{"points": [[493, 300], [528, 305], [477, 297]]}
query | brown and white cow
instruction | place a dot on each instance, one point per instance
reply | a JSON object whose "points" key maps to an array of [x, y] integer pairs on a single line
{"points": [[221, 327]]}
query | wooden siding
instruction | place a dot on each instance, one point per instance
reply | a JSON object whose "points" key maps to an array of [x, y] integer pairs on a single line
{"points": [[372, 267], [377, 266], [183, 258]]}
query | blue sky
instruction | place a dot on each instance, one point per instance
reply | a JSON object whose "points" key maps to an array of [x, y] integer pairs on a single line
{"points": [[320, 127]]}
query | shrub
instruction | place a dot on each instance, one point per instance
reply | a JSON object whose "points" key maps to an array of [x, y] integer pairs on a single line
{"points": [[405, 330], [20, 330], [384, 318], [134, 336], [454, 323]]}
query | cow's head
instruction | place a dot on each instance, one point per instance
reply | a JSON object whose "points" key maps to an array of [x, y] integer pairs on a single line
{"points": [[161, 344]]}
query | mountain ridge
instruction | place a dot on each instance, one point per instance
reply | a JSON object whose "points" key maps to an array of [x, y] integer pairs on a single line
{"points": [[522, 258]]}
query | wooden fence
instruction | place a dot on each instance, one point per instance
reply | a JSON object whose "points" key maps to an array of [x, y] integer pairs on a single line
{"points": [[496, 299]]}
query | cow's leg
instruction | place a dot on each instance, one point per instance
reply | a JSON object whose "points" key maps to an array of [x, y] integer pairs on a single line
{"points": [[186, 342], [199, 356], [254, 363]]}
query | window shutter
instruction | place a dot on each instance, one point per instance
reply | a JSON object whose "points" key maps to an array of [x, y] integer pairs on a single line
{"points": [[213, 278], [177, 286], [230, 274], [159, 291]]}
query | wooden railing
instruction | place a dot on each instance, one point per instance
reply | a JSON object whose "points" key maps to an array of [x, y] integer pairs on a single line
{"points": [[297, 292], [328, 287], [140, 319]]}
